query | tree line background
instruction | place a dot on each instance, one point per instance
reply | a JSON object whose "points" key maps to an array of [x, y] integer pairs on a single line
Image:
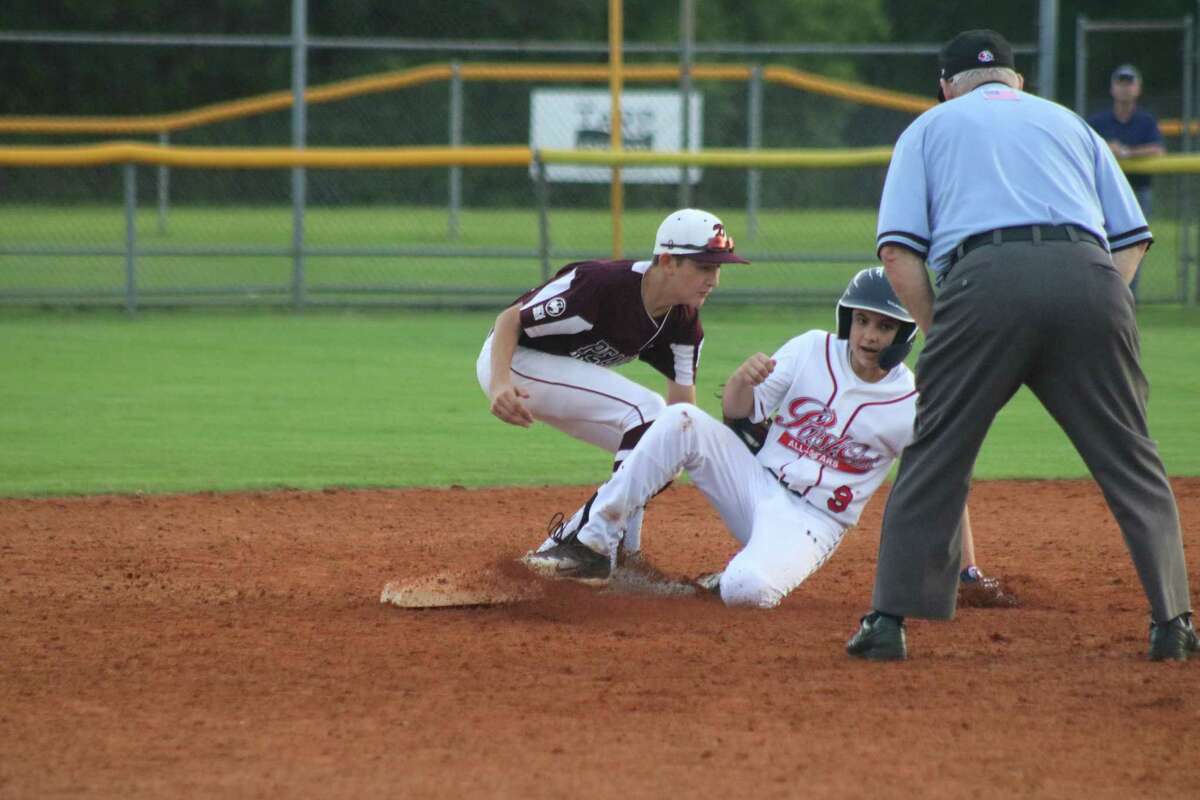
{"points": [[57, 79]]}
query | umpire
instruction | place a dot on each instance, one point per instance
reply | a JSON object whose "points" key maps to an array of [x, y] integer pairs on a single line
{"points": [[1033, 235]]}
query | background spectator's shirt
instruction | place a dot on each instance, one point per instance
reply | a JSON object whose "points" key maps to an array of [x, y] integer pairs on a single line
{"points": [[1140, 129]]}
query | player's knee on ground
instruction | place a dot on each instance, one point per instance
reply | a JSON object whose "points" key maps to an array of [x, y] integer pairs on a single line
{"points": [[742, 585]]}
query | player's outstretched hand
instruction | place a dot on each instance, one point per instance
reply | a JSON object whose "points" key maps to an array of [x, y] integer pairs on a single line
{"points": [[755, 369], [507, 405]]}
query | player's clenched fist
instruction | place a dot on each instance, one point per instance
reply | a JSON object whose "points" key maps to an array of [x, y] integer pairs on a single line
{"points": [[755, 369], [737, 400], [507, 405]]}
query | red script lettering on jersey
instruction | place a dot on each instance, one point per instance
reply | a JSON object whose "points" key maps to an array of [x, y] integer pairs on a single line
{"points": [[814, 438]]}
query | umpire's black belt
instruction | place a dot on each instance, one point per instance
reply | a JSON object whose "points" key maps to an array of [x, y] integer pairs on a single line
{"points": [[1025, 233]]}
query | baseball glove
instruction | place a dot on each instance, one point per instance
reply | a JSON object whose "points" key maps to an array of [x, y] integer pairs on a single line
{"points": [[752, 434]]}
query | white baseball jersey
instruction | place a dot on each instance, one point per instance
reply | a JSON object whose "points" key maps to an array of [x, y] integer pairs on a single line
{"points": [[832, 441], [833, 436]]}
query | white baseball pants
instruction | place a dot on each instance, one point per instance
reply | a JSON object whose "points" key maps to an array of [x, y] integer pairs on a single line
{"points": [[591, 403], [784, 538]]}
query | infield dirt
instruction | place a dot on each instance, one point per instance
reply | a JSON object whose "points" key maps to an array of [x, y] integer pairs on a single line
{"points": [[234, 645]]}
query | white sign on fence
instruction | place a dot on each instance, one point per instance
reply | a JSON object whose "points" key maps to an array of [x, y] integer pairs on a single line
{"points": [[579, 120]]}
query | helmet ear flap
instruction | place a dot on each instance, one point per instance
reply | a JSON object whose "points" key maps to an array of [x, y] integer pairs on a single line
{"points": [[843, 321], [900, 347], [893, 354]]}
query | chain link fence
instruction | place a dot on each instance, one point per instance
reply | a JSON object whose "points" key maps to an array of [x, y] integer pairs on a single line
{"points": [[460, 236]]}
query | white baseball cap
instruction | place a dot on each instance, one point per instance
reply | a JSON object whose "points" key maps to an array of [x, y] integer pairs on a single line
{"points": [[697, 235]]}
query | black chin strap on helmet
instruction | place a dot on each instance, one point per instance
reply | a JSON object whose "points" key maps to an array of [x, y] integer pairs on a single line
{"points": [[893, 354]]}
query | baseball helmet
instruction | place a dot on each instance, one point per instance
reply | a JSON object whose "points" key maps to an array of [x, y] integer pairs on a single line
{"points": [[698, 235], [870, 290]]}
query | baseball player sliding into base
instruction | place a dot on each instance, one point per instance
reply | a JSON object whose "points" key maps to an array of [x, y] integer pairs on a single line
{"points": [[548, 356], [840, 409]]}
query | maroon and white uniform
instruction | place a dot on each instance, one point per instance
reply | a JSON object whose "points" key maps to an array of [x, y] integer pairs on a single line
{"points": [[588, 317], [593, 311], [831, 440]]}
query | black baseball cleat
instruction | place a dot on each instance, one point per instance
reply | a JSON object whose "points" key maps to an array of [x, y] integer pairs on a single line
{"points": [[569, 558], [1173, 640], [879, 637]]}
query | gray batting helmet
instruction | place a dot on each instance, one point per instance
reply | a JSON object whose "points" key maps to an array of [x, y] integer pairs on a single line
{"points": [[870, 289]]}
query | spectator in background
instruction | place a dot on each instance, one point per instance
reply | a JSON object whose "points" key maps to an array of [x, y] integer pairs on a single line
{"points": [[1130, 132]]}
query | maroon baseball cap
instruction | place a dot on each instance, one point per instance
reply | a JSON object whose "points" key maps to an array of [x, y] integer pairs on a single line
{"points": [[697, 235], [976, 49]]}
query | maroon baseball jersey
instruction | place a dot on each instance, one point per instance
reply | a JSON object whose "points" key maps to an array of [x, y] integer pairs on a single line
{"points": [[593, 311]]}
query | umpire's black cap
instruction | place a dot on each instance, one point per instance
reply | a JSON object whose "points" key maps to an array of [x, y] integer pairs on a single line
{"points": [[977, 49]]}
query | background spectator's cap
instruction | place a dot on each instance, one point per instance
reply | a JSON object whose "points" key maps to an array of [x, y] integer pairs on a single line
{"points": [[1127, 72]]}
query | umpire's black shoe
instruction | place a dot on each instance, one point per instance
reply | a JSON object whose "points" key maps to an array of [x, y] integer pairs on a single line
{"points": [[1173, 640], [879, 637]]}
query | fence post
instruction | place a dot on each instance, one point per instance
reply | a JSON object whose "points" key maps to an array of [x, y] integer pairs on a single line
{"points": [[299, 136], [543, 200], [164, 184], [1080, 64], [687, 36], [130, 170], [1193, 297], [1185, 232], [456, 125], [1047, 48], [754, 175]]}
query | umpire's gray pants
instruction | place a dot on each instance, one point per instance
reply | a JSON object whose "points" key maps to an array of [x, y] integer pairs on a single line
{"points": [[1057, 317]]}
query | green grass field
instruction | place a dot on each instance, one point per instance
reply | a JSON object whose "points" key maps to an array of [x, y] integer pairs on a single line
{"points": [[221, 400], [827, 237]]}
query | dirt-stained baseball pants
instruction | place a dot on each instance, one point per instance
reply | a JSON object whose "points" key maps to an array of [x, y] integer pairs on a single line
{"points": [[591, 403], [1057, 317]]}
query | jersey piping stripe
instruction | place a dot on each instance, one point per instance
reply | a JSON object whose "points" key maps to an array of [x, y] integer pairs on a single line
{"points": [[1118, 236], [905, 235], [1121, 241], [554, 287], [829, 403], [899, 399], [829, 366], [661, 325], [566, 326], [846, 427], [634, 406]]}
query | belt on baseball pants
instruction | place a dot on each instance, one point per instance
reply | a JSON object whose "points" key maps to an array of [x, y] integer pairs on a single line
{"points": [[1025, 233]]}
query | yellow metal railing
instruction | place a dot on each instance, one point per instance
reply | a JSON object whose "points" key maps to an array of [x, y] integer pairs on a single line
{"points": [[391, 81], [264, 157], [431, 73], [518, 156]]}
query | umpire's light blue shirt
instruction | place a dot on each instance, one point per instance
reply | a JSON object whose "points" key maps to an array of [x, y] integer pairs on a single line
{"points": [[996, 158]]}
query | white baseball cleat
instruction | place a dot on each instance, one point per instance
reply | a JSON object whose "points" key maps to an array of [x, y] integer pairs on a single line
{"points": [[710, 582]]}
